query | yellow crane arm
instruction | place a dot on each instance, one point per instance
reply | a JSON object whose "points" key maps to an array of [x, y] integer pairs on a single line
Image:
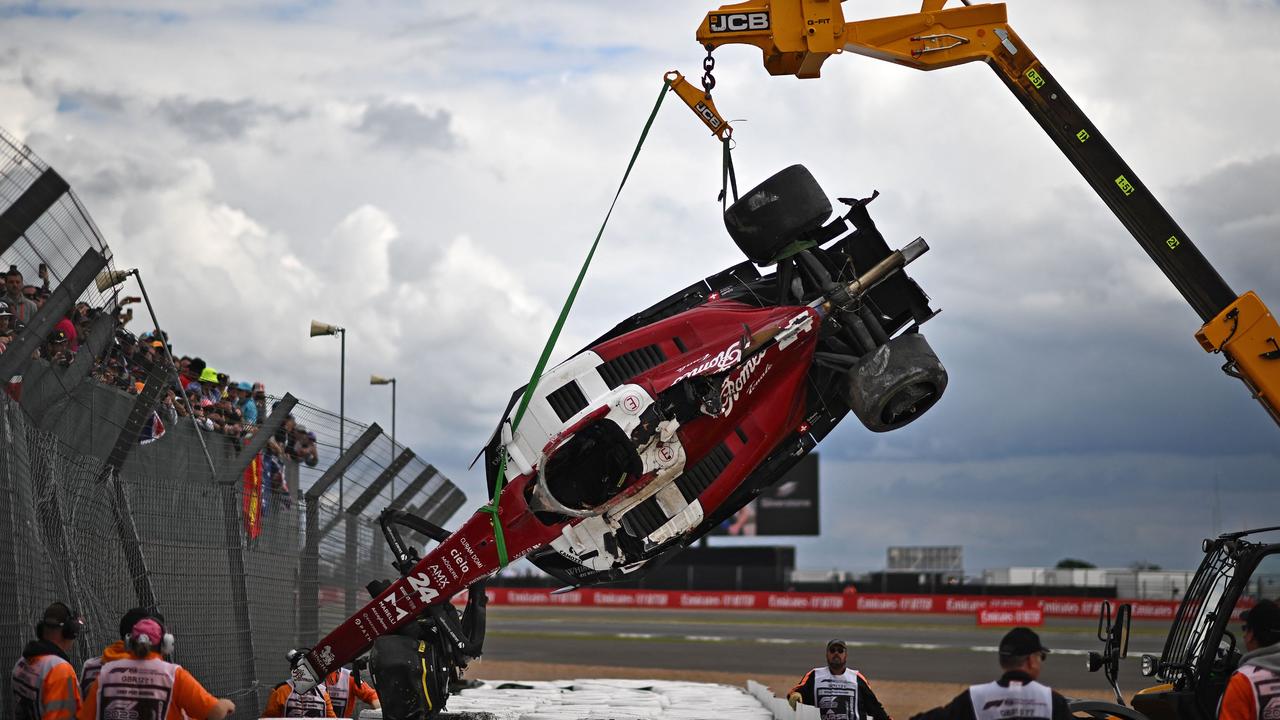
{"points": [[797, 36]]}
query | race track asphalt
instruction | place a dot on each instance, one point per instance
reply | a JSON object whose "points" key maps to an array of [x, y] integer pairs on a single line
{"points": [[927, 648]]}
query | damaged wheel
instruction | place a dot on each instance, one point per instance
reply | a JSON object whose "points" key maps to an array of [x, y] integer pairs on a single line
{"points": [[776, 213], [895, 384]]}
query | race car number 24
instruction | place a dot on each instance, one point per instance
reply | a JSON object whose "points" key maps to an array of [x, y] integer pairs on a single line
{"points": [[419, 584]]}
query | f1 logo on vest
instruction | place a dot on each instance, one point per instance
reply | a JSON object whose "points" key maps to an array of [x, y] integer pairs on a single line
{"points": [[739, 22]]}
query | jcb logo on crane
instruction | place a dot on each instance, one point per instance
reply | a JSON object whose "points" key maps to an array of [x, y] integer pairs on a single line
{"points": [[739, 22], [707, 116]]}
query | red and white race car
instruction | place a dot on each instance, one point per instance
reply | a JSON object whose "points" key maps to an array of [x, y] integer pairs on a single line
{"points": [[651, 436]]}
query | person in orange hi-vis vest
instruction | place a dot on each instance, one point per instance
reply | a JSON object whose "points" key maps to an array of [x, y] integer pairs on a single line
{"points": [[1253, 692], [44, 681], [136, 681], [343, 691], [92, 666], [286, 702]]}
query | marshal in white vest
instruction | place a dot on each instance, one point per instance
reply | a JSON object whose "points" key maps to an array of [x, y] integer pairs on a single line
{"points": [[1018, 700], [836, 695]]}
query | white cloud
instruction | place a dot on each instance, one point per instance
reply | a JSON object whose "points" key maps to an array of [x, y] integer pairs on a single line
{"points": [[430, 178]]}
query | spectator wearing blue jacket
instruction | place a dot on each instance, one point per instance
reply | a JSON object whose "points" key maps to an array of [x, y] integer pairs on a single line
{"points": [[244, 401]]}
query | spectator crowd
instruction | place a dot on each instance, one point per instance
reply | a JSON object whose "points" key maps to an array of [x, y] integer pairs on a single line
{"points": [[197, 393]]}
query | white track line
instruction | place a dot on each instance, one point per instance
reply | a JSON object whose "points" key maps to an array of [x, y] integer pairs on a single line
{"points": [[852, 643]]}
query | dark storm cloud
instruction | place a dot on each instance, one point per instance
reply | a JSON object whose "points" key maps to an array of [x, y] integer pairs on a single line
{"points": [[402, 125], [125, 177], [1228, 211], [1061, 336], [1110, 509], [220, 120]]}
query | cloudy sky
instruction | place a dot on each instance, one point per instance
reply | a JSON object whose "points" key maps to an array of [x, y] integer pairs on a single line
{"points": [[430, 175]]}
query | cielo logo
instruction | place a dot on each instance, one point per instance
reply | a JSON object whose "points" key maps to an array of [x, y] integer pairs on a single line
{"points": [[738, 22]]}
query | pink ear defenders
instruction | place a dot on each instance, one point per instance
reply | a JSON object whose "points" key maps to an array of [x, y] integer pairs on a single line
{"points": [[148, 636]]}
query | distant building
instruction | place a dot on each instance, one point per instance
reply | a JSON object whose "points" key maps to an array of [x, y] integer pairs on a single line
{"points": [[1129, 583]]}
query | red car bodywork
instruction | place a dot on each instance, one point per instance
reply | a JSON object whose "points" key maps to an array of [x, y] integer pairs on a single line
{"points": [[761, 402]]}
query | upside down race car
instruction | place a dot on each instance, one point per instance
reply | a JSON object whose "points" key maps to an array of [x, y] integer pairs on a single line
{"points": [[644, 441]]}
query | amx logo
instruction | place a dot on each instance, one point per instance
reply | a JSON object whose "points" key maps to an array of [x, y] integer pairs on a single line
{"points": [[739, 22]]}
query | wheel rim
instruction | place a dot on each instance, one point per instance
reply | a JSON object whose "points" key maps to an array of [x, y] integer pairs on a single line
{"points": [[909, 402]]}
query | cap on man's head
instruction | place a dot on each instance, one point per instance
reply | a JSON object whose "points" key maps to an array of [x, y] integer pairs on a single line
{"points": [[836, 643], [4, 309], [56, 614], [245, 386], [1021, 641], [1263, 617], [209, 375]]}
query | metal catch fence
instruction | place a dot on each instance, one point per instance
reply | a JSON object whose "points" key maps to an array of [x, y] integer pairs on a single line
{"points": [[109, 501]]}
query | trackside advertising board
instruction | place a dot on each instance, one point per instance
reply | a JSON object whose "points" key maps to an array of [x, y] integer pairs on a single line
{"points": [[1000, 616], [1005, 607], [788, 507]]}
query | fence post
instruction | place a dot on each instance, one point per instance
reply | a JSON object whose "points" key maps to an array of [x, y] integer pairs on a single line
{"points": [[92, 346], [30, 205], [12, 622], [375, 550], [414, 487], [309, 582], [353, 526], [231, 526], [19, 352], [453, 499], [126, 440], [374, 489]]}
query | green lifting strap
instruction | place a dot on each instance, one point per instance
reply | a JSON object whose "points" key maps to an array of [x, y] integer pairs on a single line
{"points": [[492, 507], [727, 177]]}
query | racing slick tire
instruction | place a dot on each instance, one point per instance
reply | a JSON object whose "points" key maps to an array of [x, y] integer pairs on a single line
{"points": [[896, 383], [776, 213]]}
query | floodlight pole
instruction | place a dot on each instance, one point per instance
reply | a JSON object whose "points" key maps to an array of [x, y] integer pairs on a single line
{"points": [[318, 328], [377, 380], [342, 412], [393, 432]]}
